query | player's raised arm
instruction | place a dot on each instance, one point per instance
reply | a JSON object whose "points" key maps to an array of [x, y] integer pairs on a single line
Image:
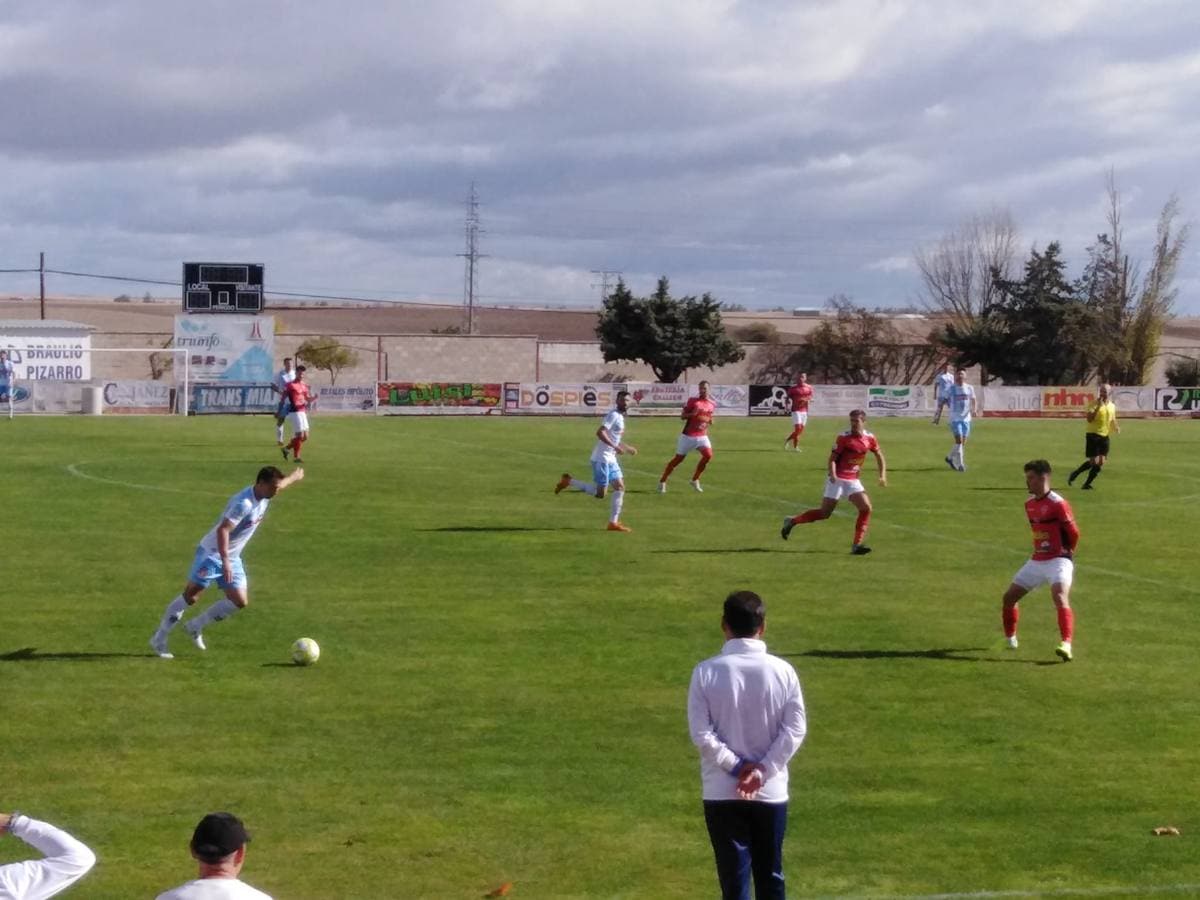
{"points": [[292, 478]]}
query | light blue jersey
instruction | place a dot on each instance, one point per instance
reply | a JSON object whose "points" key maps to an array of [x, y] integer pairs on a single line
{"points": [[961, 396], [6, 374]]}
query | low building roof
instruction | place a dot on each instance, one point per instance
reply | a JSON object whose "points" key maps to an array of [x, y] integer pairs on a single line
{"points": [[40, 326]]}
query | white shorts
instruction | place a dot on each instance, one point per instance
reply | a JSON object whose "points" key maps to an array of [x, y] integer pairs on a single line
{"points": [[1037, 572], [686, 444], [800, 418], [842, 487], [298, 421]]}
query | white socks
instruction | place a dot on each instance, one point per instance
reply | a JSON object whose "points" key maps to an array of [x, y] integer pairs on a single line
{"points": [[279, 433], [222, 609], [957, 455], [618, 497], [172, 614]]}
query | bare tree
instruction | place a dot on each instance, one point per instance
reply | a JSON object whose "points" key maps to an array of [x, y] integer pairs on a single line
{"points": [[957, 271]]}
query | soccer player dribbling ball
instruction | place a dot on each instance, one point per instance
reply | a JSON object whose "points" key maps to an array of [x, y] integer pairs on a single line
{"points": [[1055, 536], [219, 558], [845, 463], [799, 396], [605, 468], [697, 416]]}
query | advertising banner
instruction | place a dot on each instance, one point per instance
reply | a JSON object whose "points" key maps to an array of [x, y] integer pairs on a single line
{"points": [[1011, 402], [1134, 401], [768, 400], [896, 400], [655, 399], [22, 400], [46, 357], [343, 398], [438, 398], [228, 347], [137, 397], [1178, 401], [561, 399], [837, 399], [221, 397], [1066, 401]]}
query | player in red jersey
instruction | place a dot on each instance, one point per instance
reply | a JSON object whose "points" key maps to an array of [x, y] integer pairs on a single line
{"points": [[1055, 536], [799, 396], [845, 462], [299, 394], [697, 414]]}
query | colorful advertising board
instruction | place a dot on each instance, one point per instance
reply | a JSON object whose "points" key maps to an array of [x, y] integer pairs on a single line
{"points": [[438, 398], [560, 399], [228, 347], [896, 400], [344, 398]]}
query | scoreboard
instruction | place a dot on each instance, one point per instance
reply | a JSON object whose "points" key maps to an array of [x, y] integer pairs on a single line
{"points": [[223, 287]]}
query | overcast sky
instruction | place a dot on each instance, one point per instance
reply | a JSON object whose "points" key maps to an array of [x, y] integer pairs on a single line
{"points": [[771, 153]]}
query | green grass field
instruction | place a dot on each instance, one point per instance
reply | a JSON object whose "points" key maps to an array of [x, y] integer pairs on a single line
{"points": [[501, 695]]}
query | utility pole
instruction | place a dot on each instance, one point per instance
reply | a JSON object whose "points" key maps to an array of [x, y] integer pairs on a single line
{"points": [[472, 256], [42, 280], [605, 276]]}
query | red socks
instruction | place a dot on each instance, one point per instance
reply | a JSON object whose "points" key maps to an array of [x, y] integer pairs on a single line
{"points": [[1010, 614], [860, 526], [1066, 623]]}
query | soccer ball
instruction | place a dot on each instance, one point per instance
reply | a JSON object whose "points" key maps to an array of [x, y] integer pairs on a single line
{"points": [[305, 652]]}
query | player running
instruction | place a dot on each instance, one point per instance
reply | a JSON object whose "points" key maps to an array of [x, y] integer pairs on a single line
{"points": [[283, 378], [961, 398], [1055, 536], [299, 394], [941, 391], [697, 415], [845, 462], [605, 468], [219, 559], [799, 395]]}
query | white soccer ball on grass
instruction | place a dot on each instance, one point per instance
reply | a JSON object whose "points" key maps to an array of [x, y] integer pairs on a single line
{"points": [[305, 652]]}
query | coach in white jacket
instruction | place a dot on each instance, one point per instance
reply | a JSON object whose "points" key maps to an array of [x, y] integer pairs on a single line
{"points": [[746, 715], [66, 860]]}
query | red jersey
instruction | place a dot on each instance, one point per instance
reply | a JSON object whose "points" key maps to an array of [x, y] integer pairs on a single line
{"points": [[699, 413], [1055, 533], [299, 394], [849, 451], [800, 394]]}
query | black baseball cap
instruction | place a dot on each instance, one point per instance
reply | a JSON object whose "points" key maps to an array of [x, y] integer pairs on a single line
{"points": [[218, 835]]}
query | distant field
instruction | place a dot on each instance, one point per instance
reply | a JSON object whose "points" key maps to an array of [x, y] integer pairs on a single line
{"points": [[501, 696]]}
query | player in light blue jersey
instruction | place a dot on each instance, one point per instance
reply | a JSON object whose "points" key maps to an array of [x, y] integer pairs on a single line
{"points": [[961, 400], [941, 391], [283, 378], [219, 559], [606, 471], [8, 385]]}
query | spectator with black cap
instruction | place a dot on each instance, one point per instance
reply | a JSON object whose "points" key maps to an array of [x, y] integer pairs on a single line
{"points": [[219, 846]]}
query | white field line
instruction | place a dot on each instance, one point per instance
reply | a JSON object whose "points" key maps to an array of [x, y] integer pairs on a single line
{"points": [[76, 470]]}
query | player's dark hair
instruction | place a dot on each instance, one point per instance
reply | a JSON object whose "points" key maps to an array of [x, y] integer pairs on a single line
{"points": [[269, 473], [1040, 466], [744, 613], [287, 359], [702, 382], [301, 368], [621, 394], [858, 412]]}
